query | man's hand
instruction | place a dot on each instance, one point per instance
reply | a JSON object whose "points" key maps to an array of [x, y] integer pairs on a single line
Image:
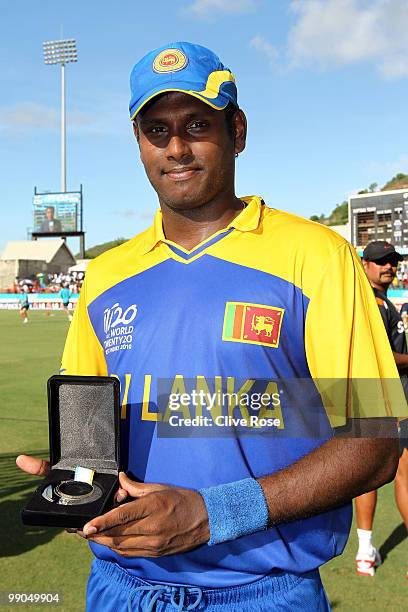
{"points": [[163, 520], [33, 465]]}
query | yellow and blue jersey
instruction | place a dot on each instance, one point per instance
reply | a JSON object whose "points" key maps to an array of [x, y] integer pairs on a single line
{"points": [[271, 297]]}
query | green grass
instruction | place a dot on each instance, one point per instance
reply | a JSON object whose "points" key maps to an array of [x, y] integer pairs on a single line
{"points": [[51, 560], [388, 589], [32, 559]]}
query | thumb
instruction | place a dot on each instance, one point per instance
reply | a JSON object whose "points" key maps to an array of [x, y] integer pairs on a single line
{"points": [[138, 489], [33, 465]]}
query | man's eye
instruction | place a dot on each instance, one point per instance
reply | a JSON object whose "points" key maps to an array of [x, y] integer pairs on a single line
{"points": [[157, 129], [196, 125]]}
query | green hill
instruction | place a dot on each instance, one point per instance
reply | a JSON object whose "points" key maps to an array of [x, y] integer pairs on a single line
{"points": [[339, 214], [101, 248], [399, 181]]}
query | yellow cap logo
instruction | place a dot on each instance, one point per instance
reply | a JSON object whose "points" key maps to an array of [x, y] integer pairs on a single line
{"points": [[170, 60]]}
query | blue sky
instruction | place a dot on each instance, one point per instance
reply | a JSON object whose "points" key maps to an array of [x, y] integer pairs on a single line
{"points": [[324, 84]]}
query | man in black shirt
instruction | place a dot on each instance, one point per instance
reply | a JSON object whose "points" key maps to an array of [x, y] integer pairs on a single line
{"points": [[380, 261]]}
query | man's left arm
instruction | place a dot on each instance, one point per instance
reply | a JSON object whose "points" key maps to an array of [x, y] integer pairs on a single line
{"points": [[166, 520], [345, 343]]}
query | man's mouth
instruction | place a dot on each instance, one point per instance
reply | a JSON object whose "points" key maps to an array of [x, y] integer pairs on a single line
{"points": [[181, 174]]}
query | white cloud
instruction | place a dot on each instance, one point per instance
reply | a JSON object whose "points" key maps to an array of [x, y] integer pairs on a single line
{"points": [[204, 8], [265, 48], [31, 116], [341, 32], [28, 115]]}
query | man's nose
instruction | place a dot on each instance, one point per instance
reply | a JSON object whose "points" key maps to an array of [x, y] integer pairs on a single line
{"points": [[178, 149]]}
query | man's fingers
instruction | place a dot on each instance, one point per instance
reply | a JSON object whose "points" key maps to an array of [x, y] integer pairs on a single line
{"points": [[126, 513], [33, 465], [134, 542], [138, 528], [121, 495], [138, 489]]}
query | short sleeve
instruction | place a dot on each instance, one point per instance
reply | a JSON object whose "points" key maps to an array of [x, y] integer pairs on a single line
{"points": [[347, 348], [83, 354]]}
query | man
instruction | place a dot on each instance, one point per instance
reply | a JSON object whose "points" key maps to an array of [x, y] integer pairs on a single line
{"points": [[380, 261], [223, 293], [50, 223]]}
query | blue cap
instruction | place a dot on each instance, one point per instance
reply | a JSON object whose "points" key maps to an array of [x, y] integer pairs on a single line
{"points": [[184, 67]]}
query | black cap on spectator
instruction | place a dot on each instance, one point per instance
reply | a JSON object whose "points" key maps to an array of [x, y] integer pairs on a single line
{"points": [[379, 249]]}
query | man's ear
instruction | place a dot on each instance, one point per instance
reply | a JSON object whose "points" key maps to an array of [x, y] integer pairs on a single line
{"points": [[240, 131], [136, 130]]}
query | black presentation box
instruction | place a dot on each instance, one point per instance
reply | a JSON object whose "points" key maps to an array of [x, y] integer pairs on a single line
{"points": [[83, 417]]}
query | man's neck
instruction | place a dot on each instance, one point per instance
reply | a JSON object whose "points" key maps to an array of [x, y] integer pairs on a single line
{"points": [[382, 288], [188, 228]]}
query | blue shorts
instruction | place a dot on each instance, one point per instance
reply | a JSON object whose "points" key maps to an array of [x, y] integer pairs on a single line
{"points": [[112, 589]]}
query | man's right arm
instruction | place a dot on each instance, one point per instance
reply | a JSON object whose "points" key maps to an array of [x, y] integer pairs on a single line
{"points": [[401, 360]]}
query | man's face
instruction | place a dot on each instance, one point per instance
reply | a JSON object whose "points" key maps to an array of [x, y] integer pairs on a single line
{"points": [[382, 272], [50, 214], [187, 151]]}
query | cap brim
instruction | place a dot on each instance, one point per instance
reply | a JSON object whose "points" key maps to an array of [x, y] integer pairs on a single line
{"points": [[395, 255], [219, 102]]}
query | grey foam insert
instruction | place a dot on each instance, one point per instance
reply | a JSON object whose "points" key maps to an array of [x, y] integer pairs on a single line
{"points": [[87, 427]]}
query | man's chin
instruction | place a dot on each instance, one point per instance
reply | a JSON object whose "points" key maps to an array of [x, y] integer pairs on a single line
{"points": [[185, 202]]}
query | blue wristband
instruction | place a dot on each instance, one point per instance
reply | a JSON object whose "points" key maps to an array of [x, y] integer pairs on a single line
{"points": [[235, 509]]}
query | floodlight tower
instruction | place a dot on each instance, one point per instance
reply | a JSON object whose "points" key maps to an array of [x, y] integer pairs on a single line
{"points": [[61, 52]]}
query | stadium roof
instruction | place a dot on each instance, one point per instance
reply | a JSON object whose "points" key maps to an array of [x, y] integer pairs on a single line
{"points": [[39, 250]]}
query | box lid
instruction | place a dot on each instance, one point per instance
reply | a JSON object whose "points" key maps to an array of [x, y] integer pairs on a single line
{"points": [[83, 415]]}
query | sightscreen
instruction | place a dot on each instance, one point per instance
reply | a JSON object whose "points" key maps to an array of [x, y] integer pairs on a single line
{"points": [[56, 213]]}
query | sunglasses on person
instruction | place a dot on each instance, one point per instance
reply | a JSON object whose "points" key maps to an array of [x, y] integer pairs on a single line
{"points": [[391, 259]]}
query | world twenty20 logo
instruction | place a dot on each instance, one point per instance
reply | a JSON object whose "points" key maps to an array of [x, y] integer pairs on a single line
{"points": [[115, 315]]}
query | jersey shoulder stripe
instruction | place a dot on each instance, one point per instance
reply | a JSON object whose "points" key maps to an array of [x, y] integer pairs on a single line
{"points": [[120, 263], [280, 246]]}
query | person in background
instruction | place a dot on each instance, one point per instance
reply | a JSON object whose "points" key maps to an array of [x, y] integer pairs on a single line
{"points": [[24, 304], [65, 295], [404, 315], [50, 223], [380, 261]]}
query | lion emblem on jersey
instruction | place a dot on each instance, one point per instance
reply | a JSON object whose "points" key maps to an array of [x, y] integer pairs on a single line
{"points": [[261, 324]]}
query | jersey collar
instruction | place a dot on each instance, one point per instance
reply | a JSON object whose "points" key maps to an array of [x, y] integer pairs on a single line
{"points": [[246, 221]]}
